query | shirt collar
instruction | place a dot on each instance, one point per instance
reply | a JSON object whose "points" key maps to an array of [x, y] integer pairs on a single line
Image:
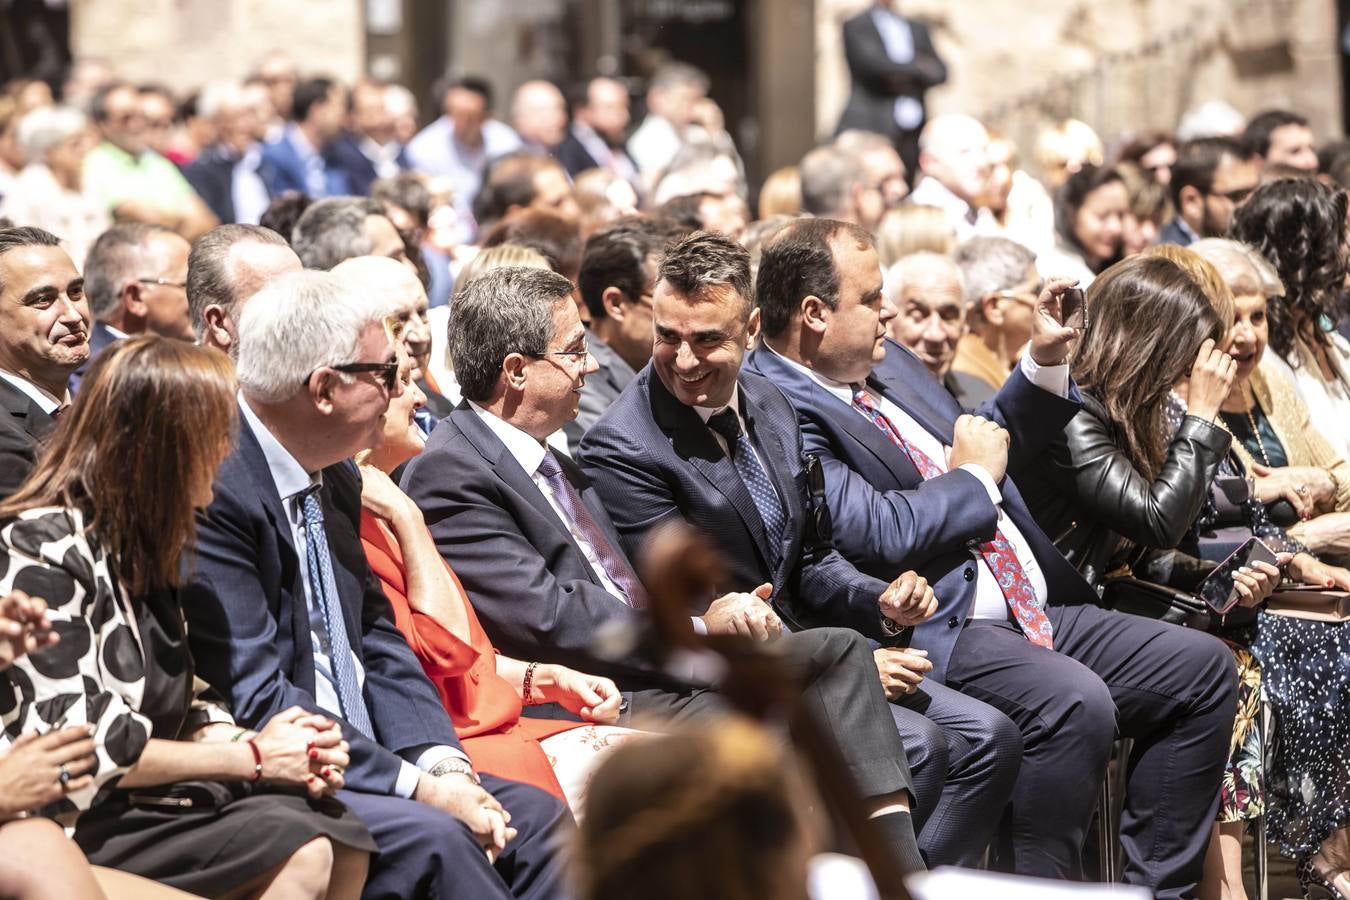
{"points": [[526, 450], [838, 388], [707, 412], [46, 402], [1186, 229], [287, 474], [302, 146]]}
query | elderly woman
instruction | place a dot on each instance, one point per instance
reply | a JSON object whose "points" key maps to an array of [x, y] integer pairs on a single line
{"points": [[47, 191], [1000, 285]]}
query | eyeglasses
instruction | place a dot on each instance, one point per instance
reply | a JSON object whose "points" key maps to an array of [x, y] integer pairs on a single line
{"points": [[1027, 299], [572, 355], [388, 372], [163, 282]]}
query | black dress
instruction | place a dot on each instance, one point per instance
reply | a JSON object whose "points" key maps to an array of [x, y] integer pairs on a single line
{"points": [[127, 670]]}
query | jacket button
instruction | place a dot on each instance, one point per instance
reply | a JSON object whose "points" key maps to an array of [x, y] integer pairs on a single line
{"points": [[969, 574], [953, 622]]}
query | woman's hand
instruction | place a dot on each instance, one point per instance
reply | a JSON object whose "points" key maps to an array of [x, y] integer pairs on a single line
{"points": [[593, 698], [1255, 583], [1305, 487], [24, 627], [1211, 377], [382, 497], [301, 748], [1328, 533], [1304, 568], [30, 772]]}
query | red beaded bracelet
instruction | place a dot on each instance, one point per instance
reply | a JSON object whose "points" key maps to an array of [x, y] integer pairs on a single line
{"points": [[257, 760]]}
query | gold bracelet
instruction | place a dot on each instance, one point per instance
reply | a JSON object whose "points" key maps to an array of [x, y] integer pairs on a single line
{"points": [[526, 699]]}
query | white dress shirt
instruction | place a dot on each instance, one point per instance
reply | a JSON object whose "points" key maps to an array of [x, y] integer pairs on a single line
{"points": [[734, 404], [45, 401], [292, 482], [898, 38]]}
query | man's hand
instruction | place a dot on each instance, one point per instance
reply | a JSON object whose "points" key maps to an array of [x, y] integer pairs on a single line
{"points": [[748, 615], [908, 601], [1050, 339], [457, 795], [901, 670], [975, 439]]}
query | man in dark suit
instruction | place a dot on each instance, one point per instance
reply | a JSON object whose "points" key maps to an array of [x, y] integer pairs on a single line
{"points": [[295, 161], [283, 609], [912, 482], [1210, 178], [366, 149], [659, 453], [44, 337], [892, 64], [595, 139], [535, 549]]}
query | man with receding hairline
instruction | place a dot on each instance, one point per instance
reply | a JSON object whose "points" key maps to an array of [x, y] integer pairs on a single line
{"points": [[227, 266]]}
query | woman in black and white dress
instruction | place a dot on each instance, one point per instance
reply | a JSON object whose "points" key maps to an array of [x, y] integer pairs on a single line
{"points": [[177, 792]]}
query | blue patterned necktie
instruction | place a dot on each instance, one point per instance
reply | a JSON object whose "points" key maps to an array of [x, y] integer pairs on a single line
{"points": [[323, 591], [770, 507], [615, 567]]}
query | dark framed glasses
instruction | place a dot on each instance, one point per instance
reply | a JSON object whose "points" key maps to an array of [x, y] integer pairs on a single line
{"points": [[387, 372]]}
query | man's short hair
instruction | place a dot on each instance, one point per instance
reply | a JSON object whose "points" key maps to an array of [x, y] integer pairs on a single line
{"points": [[500, 312], [115, 257], [1263, 125], [616, 256], [827, 174], [210, 278], [678, 74], [704, 260], [308, 93], [15, 237], [98, 104], [1198, 160], [797, 263], [472, 83], [991, 264], [333, 229], [556, 238], [300, 322], [508, 182], [406, 190], [686, 209]]}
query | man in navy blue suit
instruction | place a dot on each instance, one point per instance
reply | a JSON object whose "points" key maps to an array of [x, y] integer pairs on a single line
{"points": [[912, 482], [284, 611], [694, 437], [296, 160]]}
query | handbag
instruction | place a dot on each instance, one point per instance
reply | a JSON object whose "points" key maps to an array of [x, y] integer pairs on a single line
{"points": [[1317, 604], [1127, 594]]}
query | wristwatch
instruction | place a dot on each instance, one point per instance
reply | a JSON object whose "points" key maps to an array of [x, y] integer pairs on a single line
{"points": [[890, 628], [452, 765]]}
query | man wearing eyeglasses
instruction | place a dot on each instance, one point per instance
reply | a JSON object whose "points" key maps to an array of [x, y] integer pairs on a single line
{"points": [[1211, 178], [999, 285], [136, 281]]}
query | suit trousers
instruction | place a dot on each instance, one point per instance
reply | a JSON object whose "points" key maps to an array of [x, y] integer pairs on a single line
{"points": [[1173, 690], [424, 852], [964, 756]]}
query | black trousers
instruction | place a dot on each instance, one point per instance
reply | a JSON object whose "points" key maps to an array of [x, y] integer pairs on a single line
{"points": [[1172, 690]]}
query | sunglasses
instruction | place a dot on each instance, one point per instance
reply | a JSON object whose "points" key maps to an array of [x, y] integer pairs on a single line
{"points": [[387, 372]]}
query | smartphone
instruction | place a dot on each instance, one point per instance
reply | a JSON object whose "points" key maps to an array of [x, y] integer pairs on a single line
{"points": [[1218, 590], [1072, 309]]}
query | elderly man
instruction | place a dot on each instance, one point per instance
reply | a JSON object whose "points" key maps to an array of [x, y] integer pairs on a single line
{"points": [[910, 481], [599, 128], [227, 266], [1210, 178], [835, 184], [339, 228], [44, 337], [927, 290], [955, 165], [539, 116], [133, 182], [226, 173], [283, 609], [135, 279], [1000, 285]]}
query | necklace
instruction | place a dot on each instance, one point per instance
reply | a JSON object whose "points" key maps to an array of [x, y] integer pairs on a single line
{"points": [[1260, 442]]}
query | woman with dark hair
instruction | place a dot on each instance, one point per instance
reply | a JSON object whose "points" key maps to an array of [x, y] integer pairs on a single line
{"points": [[101, 528], [1299, 226], [1090, 211]]}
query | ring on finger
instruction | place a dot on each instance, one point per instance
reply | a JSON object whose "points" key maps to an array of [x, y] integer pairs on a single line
{"points": [[1301, 490], [62, 775]]}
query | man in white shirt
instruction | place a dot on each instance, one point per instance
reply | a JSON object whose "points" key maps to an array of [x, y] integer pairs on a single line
{"points": [[955, 166]]}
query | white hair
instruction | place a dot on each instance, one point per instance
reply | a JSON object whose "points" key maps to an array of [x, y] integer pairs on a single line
{"points": [[47, 126], [218, 97], [300, 322], [925, 267], [949, 130], [1212, 119]]}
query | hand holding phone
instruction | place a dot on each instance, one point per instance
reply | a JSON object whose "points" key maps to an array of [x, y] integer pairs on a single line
{"points": [[1053, 329], [1231, 581]]}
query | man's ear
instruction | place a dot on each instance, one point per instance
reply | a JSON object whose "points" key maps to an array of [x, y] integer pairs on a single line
{"points": [[613, 300], [992, 310], [322, 385], [815, 313], [513, 370], [217, 325], [752, 329], [130, 299], [1191, 202]]}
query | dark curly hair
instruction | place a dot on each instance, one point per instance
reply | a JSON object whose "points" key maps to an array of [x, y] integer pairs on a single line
{"points": [[1299, 226]]}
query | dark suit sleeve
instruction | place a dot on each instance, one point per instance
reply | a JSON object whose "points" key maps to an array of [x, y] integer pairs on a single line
{"points": [[17, 456], [1033, 417], [234, 636], [869, 64], [635, 495]]}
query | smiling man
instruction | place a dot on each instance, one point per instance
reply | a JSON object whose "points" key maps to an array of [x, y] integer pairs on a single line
{"points": [[44, 337]]}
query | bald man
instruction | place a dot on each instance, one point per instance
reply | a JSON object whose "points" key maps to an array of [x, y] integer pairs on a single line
{"points": [[927, 291], [955, 165], [227, 266], [539, 116]]}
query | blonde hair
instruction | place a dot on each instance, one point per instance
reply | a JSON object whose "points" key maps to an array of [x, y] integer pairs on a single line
{"points": [[1065, 147], [497, 257], [781, 194], [913, 228], [1204, 274]]}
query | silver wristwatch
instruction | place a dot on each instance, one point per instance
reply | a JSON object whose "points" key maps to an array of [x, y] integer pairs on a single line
{"points": [[454, 765]]}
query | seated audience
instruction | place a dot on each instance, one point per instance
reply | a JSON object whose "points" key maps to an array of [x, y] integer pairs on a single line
{"points": [[296, 159], [283, 610], [694, 438], [106, 547], [226, 172], [1090, 211], [227, 266], [48, 193], [911, 481], [366, 150], [954, 168], [1000, 287], [44, 338], [595, 139], [912, 228], [1282, 138], [521, 181], [339, 228], [1299, 226], [1212, 176], [927, 291]]}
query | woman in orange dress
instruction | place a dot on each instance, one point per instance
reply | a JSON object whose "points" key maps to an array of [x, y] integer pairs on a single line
{"points": [[483, 691]]}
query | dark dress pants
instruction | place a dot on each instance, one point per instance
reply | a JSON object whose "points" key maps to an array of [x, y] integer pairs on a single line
{"points": [[427, 853], [964, 756], [1174, 691]]}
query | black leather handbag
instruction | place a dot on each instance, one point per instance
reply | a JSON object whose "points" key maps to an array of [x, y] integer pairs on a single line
{"points": [[1127, 594]]}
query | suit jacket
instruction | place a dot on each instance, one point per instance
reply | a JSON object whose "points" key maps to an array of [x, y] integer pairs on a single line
{"points": [[100, 339], [211, 175], [249, 620], [344, 155], [1174, 233], [877, 81], [533, 589], [282, 170], [23, 428], [600, 390], [653, 460], [887, 518], [575, 158]]}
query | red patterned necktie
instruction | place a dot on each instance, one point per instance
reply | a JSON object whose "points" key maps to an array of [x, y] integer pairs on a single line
{"points": [[998, 554]]}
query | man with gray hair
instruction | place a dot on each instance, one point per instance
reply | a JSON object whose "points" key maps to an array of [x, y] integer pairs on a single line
{"points": [[339, 228], [833, 186], [284, 610], [672, 100], [955, 164], [1000, 287], [136, 280], [227, 266]]}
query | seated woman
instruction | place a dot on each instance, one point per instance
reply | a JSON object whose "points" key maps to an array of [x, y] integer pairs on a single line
{"points": [[483, 691], [176, 792], [1090, 211]]}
